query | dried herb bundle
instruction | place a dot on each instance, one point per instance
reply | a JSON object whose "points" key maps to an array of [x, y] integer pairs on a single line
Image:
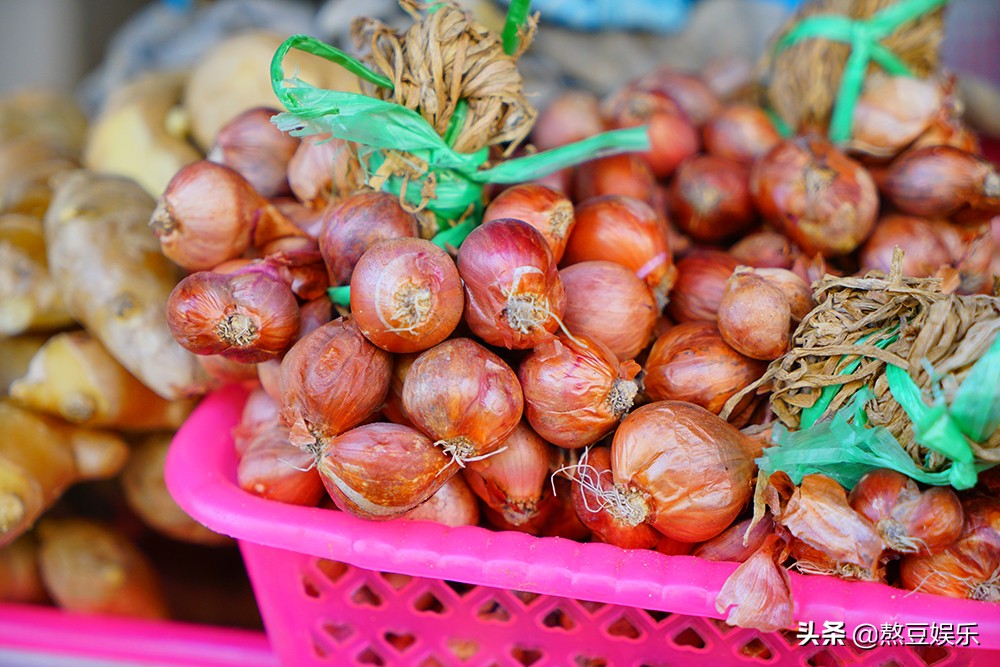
{"points": [[864, 323], [446, 61], [801, 82]]}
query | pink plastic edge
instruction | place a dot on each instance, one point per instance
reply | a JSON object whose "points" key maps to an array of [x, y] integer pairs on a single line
{"points": [[201, 474], [51, 631]]}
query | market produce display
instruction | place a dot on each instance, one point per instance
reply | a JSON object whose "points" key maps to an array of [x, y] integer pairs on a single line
{"points": [[756, 323]]}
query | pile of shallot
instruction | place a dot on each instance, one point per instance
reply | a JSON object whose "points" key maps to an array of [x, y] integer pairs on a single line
{"points": [[565, 370]]}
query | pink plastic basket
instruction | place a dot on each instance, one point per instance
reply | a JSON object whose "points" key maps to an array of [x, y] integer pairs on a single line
{"points": [[42, 632], [330, 593]]}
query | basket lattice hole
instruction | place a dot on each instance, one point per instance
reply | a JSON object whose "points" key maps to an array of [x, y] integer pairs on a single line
{"points": [[331, 569], [366, 596], [931, 655], [526, 656], [492, 610], [689, 637], [591, 607], [823, 658], [656, 615], [320, 650], [557, 618], [624, 628], [589, 661], [310, 588], [397, 581], [370, 657], [463, 649], [756, 649], [401, 641], [339, 632], [527, 598], [461, 589], [723, 627], [431, 661], [429, 603]]}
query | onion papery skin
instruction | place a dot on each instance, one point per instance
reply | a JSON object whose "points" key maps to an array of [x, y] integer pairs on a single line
{"points": [[546, 209], [513, 481], [513, 295], [463, 396], [686, 471], [380, 471], [206, 215], [356, 223], [607, 302], [248, 317], [710, 198], [701, 281], [330, 381], [454, 504], [740, 132], [939, 181], [691, 362], [600, 516], [627, 231], [812, 192], [625, 175], [969, 568], [755, 317], [576, 390], [406, 295]]}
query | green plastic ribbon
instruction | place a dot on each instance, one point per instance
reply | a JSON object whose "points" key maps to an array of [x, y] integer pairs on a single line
{"points": [[844, 448], [811, 414], [517, 16], [377, 126], [865, 38]]}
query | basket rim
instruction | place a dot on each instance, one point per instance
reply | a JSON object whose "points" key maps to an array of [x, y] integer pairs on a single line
{"points": [[201, 477]]}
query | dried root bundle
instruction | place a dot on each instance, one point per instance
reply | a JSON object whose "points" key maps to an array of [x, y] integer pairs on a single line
{"points": [[864, 323], [801, 82], [446, 57]]}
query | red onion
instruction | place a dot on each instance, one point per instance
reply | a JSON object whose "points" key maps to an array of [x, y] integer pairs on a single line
{"points": [[627, 231], [454, 504], [672, 137], [259, 151], [822, 199], [701, 280], [463, 396], [331, 380], [381, 471], [765, 249], [249, 316], [571, 116], [208, 214], [607, 302], [513, 480], [406, 295], [355, 224], [547, 210], [625, 174], [593, 484], [514, 297], [681, 469], [740, 132], [691, 93], [575, 390], [323, 169], [755, 317], [924, 250], [938, 181], [691, 362], [710, 198]]}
